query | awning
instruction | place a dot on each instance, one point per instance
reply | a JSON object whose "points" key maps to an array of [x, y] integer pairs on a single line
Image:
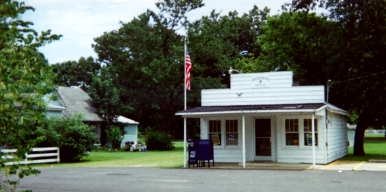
{"points": [[245, 109]]}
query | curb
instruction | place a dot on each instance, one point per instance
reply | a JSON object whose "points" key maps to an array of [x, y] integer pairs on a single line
{"points": [[377, 161]]}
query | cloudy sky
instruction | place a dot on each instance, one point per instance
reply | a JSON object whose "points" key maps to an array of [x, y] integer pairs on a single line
{"points": [[80, 21]]}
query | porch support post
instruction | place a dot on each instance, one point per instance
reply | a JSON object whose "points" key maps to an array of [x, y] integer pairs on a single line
{"points": [[244, 159], [313, 140], [184, 142]]}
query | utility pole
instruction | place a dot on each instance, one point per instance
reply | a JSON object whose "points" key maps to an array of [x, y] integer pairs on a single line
{"points": [[328, 89]]}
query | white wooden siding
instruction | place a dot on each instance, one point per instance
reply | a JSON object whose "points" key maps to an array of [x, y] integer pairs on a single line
{"points": [[228, 155], [250, 138], [337, 137], [281, 152], [284, 95], [223, 153], [131, 134], [204, 134], [301, 153], [277, 79]]}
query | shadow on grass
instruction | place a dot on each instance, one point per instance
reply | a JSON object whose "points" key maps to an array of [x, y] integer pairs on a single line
{"points": [[367, 157], [375, 148]]}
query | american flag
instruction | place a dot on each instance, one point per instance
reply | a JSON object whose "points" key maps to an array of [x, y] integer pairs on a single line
{"points": [[188, 69]]}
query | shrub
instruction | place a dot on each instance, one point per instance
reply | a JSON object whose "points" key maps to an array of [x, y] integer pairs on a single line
{"points": [[157, 140], [69, 134], [114, 134]]}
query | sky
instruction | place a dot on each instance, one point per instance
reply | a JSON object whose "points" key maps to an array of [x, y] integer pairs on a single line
{"points": [[80, 21]]}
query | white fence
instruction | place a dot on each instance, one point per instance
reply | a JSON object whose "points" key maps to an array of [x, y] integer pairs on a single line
{"points": [[374, 131], [37, 155]]}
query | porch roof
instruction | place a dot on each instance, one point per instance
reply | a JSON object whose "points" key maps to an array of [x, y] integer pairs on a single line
{"points": [[243, 109]]}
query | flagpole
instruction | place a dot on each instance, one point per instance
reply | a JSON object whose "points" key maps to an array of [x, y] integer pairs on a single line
{"points": [[185, 102]]}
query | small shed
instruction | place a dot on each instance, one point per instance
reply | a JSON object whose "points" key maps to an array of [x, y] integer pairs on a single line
{"points": [[263, 117], [130, 129]]}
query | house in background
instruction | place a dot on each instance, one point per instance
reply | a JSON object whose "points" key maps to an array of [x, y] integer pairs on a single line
{"points": [[263, 117], [73, 100]]}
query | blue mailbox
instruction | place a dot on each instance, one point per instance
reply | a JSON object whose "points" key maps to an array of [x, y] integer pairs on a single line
{"points": [[205, 151], [193, 152]]}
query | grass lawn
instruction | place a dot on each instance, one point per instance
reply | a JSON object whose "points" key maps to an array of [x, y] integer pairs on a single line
{"points": [[162, 159], [375, 148]]}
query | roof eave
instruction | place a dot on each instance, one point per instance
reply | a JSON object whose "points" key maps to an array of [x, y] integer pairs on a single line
{"points": [[246, 112], [335, 109]]}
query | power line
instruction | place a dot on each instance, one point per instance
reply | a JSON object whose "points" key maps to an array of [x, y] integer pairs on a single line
{"points": [[362, 77]]}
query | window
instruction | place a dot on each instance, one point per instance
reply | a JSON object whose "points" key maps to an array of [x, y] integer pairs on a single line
{"points": [[232, 136], [215, 131], [308, 132], [292, 132]]}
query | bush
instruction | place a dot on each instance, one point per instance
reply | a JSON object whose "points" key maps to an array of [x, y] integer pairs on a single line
{"points": [[157, 140], [114, 134], [72, 137]]}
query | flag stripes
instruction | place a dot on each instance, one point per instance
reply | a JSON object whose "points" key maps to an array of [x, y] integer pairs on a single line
{"points": [[188, 69]]}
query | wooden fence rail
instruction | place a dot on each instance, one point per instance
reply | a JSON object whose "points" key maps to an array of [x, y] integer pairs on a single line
{"points": [[37, 155]]}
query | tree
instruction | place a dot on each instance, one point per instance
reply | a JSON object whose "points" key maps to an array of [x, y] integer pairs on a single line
{"points": [[300, 42], [145, 61], [221, 41], [25, 77], [71, 72], [70, 134], [104, 95], [115, 136], [356, 57]]}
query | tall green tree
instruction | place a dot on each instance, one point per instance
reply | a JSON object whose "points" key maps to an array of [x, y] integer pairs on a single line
{"points": [[71, 72], [145, 60], [25, 77], [104, 95], [300, 42], [220, 41], [356, 58]]}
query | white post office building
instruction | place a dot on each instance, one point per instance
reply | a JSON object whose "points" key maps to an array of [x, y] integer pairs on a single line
{"points": [[263, 117]]}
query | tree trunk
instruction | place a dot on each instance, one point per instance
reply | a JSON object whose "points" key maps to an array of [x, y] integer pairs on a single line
{"points": [[363, 123]]}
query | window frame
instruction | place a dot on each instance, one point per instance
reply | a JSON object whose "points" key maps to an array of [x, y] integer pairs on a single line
{"points": [[309, 131], [292, 131], [217, 124], [223, 134], [235, 131]]}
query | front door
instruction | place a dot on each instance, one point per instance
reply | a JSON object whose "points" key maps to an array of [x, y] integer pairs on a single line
{"points": [[263, 146]]}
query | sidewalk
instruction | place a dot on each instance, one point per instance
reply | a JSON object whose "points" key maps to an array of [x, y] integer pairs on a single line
{"points": [[372, 165], [339, 165]]}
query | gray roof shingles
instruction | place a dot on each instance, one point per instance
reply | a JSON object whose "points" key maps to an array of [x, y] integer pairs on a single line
{"points": [[78, 101], [253, 107]]}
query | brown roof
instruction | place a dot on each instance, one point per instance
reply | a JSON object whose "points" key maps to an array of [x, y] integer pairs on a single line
{"points": [[78, 101]]}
